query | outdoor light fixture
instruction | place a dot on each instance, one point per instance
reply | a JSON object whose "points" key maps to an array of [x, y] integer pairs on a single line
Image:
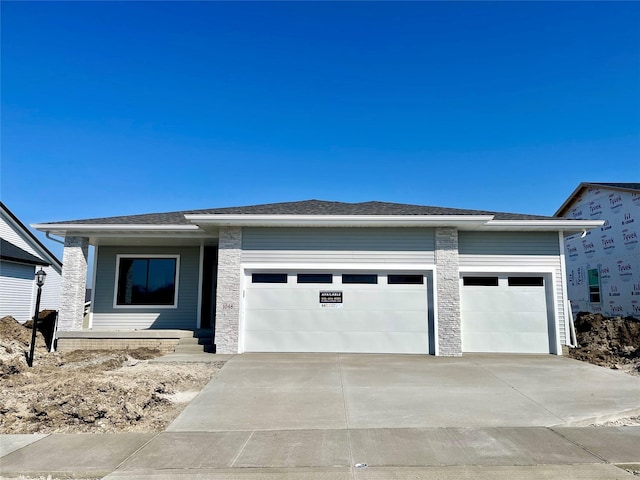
{"points": [[40, 276]]}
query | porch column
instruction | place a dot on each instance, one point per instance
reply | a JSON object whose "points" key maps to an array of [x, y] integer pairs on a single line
{"points": [[448, 292], [74, 283], [228, 290]]}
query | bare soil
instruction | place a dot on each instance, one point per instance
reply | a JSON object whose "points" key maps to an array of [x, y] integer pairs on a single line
{"points": [[612, 342], [102, 391]]}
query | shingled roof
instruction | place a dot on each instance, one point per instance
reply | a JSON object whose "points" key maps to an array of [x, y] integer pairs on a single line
{"points": [[307, 207], [9, 252]]}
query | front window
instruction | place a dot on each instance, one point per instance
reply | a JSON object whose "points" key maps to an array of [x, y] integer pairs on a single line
{"points": [[147, 281]]}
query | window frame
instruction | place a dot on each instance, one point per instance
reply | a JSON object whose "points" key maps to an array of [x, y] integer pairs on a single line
{"points": [[119, 256]]}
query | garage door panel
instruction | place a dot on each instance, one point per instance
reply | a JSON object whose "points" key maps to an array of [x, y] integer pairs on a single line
{"points": [[322, 341], [336, 320], [280, 298]]}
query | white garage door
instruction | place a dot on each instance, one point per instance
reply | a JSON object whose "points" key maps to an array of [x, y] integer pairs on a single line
{"points": [[505, 313], [369, 312]]}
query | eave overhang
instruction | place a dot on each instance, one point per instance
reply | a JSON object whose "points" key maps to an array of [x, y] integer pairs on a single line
{"points": [[462, 222], [204, 225]]}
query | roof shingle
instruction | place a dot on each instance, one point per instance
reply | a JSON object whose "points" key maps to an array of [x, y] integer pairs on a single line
{"points": [[307, 207]]}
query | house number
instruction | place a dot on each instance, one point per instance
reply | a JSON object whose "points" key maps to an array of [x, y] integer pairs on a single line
{"points": [[227, 306]]}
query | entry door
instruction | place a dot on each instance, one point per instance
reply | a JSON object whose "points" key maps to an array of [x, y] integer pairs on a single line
{"points": [[505, 313], [366, 312]]}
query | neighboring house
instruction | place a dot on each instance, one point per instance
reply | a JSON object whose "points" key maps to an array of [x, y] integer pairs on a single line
{"points": [[317, 276], [603, 264], [21, 254]]}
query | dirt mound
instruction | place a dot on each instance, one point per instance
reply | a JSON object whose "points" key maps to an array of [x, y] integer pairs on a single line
{"points": [[15, 340], [89, 390], [612, 342]]}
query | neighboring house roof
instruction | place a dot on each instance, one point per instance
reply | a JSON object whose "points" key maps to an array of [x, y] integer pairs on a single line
{"points": [[629, 187], [312, 213], [47, 256], [11, 253]]}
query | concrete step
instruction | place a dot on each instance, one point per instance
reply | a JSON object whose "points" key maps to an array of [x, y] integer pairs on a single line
{"points": [[194, 348]]}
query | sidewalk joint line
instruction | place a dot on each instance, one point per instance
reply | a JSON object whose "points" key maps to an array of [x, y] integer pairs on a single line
{"points": [[136, 451], [242, 449], [346, 418], [522, 393], [580, 446]]}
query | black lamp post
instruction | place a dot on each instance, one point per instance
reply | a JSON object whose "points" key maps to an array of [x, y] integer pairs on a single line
{"points": [[40, 276]]}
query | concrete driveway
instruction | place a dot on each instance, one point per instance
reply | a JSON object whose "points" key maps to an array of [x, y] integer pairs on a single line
{"points": [[349, 391]]}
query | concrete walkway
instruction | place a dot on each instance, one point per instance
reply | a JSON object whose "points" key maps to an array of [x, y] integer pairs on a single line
{"points": [[433, 453], [326, 416]]}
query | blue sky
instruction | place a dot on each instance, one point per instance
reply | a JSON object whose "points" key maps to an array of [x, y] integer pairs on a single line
{"points": [[115, 108]]}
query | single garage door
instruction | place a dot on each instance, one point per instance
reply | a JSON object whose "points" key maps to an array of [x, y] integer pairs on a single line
{"points": [[368, 312], [505, 313]]}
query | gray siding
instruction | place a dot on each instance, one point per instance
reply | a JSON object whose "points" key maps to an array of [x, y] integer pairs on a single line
{"points": [[338, 245], [512, 250], [508, 243], [185, 316]]}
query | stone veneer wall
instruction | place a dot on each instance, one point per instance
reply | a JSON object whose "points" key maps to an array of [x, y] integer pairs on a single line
{"points": [[448, 292], [228, 290], [74, 283]]}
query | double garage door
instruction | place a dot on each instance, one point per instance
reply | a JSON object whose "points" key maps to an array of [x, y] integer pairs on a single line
{"points": [[372, 312]]}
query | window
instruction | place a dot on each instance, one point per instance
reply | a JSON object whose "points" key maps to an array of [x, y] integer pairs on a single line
{"points": [[405, 279], [147, 281], [526, 282], [594, 285], [480, 281], [359, 278], [315, 278], [269, 278]]}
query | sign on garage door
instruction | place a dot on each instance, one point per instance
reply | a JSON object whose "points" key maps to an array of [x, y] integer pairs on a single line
{"points": [[505, 313], [368, 312]]}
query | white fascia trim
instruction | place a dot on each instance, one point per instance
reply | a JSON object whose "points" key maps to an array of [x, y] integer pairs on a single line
{"points": [[383, 267], [74, 227], [560, 224], [338, 220]]}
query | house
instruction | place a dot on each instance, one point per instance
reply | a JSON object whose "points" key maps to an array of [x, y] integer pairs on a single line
{"points": [[21, 254], [320, 276], [603, 264]]}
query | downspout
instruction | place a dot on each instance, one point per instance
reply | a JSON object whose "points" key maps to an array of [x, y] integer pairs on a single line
{"points": [[572, 328], [48, 235]]}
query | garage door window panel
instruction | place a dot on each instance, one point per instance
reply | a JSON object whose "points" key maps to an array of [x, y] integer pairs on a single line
{"points": [[526, 281], [405, 279], [269, 278], [359, 278], [315, 278], [480, 281]]}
